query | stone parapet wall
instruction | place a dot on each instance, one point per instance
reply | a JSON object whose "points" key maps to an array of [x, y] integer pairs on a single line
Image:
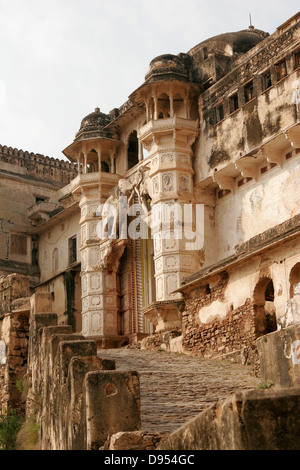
{"points": [[78, 398], [59, 172]]}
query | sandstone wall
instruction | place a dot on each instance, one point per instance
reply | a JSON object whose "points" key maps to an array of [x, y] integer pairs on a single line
{"points": [[14, 334]]}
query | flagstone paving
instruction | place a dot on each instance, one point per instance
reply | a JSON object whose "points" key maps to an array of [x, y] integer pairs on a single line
{"points": [[175, 387]]}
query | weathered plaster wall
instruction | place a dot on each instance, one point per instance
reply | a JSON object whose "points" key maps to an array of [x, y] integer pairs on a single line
{"points": [[56, 237], [224, 314], [254, 122], [24, 177], [257, 207]]}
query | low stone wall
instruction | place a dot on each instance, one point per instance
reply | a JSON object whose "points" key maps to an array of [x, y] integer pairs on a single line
{"points": [[255, 420], [78, 398], [279, 355]]}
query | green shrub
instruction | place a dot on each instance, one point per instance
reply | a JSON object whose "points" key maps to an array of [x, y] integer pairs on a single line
{"points": [[266, 386], [10, 425], [28, 437]]}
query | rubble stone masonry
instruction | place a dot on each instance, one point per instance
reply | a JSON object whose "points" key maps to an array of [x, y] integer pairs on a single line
{"points": [[233, 333]]}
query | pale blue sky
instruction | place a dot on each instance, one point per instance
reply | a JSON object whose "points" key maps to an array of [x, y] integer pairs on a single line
{"points": [[59, 59]]}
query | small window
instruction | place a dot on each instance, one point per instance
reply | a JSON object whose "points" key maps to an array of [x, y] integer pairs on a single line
{"points": [[39, 199], [219, 113], [297, 59], [244, 181], [281, 70], [18, 244], [249, 91], [205, 53], [72, 250], [266, 80], [234, 103], [55, 261], [264, 170]]}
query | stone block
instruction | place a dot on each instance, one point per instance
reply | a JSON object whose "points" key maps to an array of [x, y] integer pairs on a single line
{"points": [[113, 405], [43, 320], [176, 345], [56, 339], [279, 355], [255, 420], [41, 302], [76, 423], [69, 349], [137, 440]]}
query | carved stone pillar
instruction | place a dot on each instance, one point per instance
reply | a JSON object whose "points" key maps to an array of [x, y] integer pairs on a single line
{"points": [[92, 277], [172, 187]]}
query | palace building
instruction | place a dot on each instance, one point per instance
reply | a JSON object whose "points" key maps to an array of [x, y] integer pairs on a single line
{"points": [[216, 128]]}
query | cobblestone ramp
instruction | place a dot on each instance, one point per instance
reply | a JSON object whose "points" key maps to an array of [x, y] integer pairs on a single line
{"points": [[175, 388]]}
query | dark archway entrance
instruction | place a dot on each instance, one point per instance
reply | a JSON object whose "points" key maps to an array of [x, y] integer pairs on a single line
{"points": [[264, 307]]}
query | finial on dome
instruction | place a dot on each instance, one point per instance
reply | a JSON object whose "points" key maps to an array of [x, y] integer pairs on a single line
{"points": [[97, 110], [251, 25]]}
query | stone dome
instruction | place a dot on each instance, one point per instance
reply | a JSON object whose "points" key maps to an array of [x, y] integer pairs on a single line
{"points": [[165, 67], [93, 124], [231, 44]]}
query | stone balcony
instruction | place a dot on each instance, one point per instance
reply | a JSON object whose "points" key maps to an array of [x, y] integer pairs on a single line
{"points": [[88, 179], [274, 152], [159, 126], [41, 211]]}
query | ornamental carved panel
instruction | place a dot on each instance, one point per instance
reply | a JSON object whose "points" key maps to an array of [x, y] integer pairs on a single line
{"points": [[183, 183], [156, 185], [167, 158], [168, 182]]}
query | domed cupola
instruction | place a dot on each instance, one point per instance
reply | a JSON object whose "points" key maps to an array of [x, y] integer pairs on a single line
{"points": [[92, 126], [166, 67]]}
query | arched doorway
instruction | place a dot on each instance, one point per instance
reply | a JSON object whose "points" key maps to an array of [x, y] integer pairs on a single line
{"points": [[294, 278], [264, 307]]}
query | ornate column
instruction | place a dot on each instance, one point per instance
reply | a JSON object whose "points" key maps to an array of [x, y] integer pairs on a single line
{"points": [[140, 151], [172, 186], [92, 277]]}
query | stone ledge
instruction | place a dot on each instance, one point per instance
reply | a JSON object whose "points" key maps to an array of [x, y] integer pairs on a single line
{"points": [[268, 239], [255, 420]]}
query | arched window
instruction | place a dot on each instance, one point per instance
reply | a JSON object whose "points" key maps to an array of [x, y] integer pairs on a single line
{"points": [[55, 263], [264, 307]]}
